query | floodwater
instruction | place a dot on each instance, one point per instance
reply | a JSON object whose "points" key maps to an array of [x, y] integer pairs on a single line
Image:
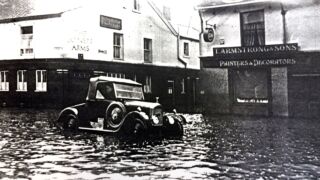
{"points": [[227, 147]]}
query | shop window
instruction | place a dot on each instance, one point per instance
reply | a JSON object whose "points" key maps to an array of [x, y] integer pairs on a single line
{"points": [[253, 28], [147, 86], [186, 49], [136, 5], [183, 90], [21, 80], [26, 47], [117, 46], [41, 80], [4, 84], [251, 86], [147, 48]]}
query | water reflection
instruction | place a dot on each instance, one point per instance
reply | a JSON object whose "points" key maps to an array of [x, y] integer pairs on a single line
{"points": [[31, 147]]}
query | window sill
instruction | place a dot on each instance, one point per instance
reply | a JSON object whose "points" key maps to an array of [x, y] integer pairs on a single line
{"points": [[136, 11], [186, 56], [4, 90], [40, 91], [118, 59], [21, 90]]}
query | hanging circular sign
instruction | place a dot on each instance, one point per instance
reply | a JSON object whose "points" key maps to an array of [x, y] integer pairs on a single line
{"points": [[208, 35]]}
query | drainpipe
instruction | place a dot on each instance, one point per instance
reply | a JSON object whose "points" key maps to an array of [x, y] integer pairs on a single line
{"points": [[201, 33], [283, 13]]}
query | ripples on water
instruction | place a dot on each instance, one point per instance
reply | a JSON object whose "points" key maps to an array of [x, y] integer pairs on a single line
{"points": [[31, 147]]}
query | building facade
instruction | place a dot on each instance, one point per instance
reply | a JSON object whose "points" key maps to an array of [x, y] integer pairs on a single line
{"points": [[47, 58], [261, 57]]}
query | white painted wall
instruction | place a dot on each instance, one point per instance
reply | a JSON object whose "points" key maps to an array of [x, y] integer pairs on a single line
{"points": [[57, 37], [302, 25]]}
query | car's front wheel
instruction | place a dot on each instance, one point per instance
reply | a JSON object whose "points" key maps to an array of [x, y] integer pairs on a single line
{"points": [[134, 128]]}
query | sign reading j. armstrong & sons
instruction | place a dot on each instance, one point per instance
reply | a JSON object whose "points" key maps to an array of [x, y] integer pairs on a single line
{"points": [[255, 56], [278, 48], [110, 22]]}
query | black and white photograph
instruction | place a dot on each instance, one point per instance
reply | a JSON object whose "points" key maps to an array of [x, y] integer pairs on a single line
{"points": [[159, 89]]}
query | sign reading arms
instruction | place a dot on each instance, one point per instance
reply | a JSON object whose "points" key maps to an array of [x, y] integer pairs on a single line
{"points": [[110, 22]]}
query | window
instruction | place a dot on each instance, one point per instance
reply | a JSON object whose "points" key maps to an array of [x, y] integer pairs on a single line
{"points": [[183, 90], [251, 86], [147, 47], [136, 5], [4, 84], [252, 27], [186, 49], [167, 12], [21, 80], [170, 87], [26, 41], [116, 75], [147, 86], [118, 46], [41, 80]]}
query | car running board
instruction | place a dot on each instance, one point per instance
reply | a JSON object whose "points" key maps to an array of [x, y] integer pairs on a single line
{"points": [[97, 130]]}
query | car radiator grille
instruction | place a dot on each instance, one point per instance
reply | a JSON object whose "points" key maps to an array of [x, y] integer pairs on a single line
{"points": [[159, 114]]}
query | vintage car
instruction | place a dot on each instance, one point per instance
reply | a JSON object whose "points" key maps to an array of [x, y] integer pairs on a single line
{"points": [[115, 105]]}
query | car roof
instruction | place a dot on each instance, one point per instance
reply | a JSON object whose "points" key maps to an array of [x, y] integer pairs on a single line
{"points": [[112, 79]]}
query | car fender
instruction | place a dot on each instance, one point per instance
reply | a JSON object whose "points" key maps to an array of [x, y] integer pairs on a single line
{"points": [[137, 114], [68, 110]]}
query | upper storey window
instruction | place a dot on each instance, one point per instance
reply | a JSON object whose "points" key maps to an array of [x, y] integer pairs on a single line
{"points": [[26, 40], [136, 5], [252, 28]]}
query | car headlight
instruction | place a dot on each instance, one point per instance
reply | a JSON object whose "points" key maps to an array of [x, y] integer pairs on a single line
{"points": [[155, 119], [171, 120]]}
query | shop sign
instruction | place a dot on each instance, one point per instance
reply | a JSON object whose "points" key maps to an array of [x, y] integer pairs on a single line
{"points": [[110, 22], [256, 62], [208, 35], [279, 48]]}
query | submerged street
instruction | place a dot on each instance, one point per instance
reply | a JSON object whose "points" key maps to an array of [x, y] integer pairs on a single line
{"points": [[31, 147]]}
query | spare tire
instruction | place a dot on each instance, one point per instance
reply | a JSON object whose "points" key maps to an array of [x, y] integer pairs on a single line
{"points": [[114, 116]]}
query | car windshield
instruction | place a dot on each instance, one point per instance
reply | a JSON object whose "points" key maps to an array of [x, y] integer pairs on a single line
{"points": [[125, 91]]}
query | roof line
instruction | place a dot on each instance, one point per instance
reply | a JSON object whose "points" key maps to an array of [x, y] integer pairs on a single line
{"points": [[164, 20], [229, 4], [29, 18]]}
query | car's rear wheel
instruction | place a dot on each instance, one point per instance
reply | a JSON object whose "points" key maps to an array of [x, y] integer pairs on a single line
{"points": [[70, 121]]}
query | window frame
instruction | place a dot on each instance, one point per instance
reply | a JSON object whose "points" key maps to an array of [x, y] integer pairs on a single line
{"points": [[26, 44], [22, 85], [186, 49], [42, 85], [147, 50], [136, 6], [120, 46], [242, 31], [4, 83], [147, 87]]}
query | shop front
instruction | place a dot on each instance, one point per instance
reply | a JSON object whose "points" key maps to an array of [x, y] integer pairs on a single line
{"points": [[255, 80]]}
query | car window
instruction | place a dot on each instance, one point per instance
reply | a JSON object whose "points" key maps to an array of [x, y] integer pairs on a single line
{"points": [[126, 91], [104, 91]]}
